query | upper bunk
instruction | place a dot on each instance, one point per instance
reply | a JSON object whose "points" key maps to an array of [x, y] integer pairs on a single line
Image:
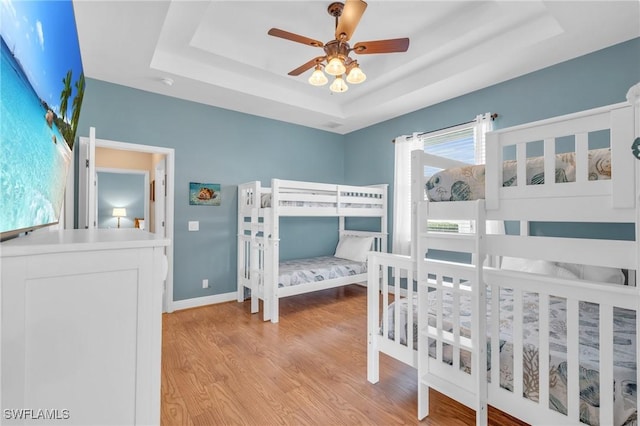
{"points": [[514, 188], [298, 198], [574, 193]]}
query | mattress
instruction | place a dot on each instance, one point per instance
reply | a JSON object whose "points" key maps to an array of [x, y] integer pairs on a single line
{"points": [[468, 182], [301, 271], [624, 350]]}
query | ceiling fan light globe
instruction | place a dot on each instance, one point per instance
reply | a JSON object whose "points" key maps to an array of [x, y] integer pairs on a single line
{"points": [[356, 76], [318, 78], [335, 67], [338, 85]]}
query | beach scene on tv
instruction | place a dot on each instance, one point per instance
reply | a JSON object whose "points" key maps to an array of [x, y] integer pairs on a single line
{"points": [[40, 100]]}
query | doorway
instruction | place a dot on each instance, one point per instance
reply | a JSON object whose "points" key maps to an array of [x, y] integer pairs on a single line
{"points": [[96, 153]]}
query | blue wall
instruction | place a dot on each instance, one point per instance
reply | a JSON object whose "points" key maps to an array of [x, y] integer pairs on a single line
{"points": [[219, 146], [590, 81], [214, 145]]}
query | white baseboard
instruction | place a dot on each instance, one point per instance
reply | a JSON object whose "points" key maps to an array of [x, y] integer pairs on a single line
{"points": [[203, 301]]}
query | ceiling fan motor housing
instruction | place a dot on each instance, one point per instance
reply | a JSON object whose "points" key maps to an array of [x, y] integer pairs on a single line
{"points": [[336, 48]]}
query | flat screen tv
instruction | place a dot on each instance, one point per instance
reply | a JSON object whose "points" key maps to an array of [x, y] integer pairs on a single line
{"points": [[42, 89]]}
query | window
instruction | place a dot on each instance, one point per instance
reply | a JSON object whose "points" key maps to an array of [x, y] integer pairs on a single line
{"points": [[457, 143], [465, 142]]}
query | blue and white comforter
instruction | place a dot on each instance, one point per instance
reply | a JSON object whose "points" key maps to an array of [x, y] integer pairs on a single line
{"points": [[624, 345], [300, 271]]}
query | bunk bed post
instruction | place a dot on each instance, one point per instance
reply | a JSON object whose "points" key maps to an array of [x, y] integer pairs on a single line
{"points": [[384, 222], [633, 97], [254, 261], [254, 273], [622, 131], [417, 194], [423, 341], [241, 265], [479, 319], [373, 315], [273, 260], [246, 242], [493, 174]]}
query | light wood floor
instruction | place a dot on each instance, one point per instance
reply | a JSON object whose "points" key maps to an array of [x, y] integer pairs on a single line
{"points": [[223, 366]]}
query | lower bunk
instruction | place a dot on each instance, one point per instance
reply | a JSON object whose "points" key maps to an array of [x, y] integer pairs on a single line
{"points": [[256, 271], [557, 343]]}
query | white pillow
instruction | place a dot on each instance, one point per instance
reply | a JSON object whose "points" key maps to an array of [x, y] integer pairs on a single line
{"points": [[600, 274], [536, 267], [526, 265], [565, 270], [354, 248]]}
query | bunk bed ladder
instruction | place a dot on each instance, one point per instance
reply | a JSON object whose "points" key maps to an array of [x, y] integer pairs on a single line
{"points": [[447, 374]]}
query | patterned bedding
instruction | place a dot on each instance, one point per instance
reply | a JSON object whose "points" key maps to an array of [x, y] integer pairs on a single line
{"points": [[467, 183], [300, 271], [624, 351]]}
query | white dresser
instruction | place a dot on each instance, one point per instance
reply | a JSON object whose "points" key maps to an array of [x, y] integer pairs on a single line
{"points": [[81, 327]]}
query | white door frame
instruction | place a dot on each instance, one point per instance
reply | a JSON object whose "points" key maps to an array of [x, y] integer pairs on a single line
{"points": [[159, 214], [169, 154]]}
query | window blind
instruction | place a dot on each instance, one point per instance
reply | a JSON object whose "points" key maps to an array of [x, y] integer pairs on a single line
{"points": [[457, 144]]}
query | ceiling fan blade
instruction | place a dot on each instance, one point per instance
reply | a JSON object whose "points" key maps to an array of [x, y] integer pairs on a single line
{"points": [[308, 65], [381, 46], [294, 37], [348, 21]]}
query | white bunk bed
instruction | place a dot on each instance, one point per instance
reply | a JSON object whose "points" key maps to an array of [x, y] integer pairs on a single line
{"points": [[259, 213], [559, 342]]}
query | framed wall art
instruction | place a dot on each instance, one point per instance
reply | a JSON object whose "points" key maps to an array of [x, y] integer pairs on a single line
{"points": [[204, 194]]}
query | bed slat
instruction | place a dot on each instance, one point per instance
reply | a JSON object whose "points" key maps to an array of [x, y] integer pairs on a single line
{"points": [[543, 349], [606, 364], [573, 379], [582, 157], [517, 324], [549, 162]]}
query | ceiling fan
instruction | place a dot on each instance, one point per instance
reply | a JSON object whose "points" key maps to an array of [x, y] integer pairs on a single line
{"points": [[347, 15]]}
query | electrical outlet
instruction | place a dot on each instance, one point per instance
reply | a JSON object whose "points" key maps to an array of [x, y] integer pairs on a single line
{"points": [[205, 283]]}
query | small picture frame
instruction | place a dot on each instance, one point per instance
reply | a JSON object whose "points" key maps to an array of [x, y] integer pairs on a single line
{"points": [[204, 194]]}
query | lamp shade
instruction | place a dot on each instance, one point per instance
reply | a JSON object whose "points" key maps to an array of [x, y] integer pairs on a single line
{"points": [[119, 212], [339, 85], [356, 75], [318, 78], [335, 66]]}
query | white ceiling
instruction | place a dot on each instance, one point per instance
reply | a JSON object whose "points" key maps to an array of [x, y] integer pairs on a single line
{"points": [[218, 52]]}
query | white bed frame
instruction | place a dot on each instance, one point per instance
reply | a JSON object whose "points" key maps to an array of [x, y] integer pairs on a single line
{"points": [[607, 201], [259, 232]]}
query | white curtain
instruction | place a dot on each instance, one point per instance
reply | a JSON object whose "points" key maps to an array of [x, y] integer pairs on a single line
{"points": [[402, 192]]}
